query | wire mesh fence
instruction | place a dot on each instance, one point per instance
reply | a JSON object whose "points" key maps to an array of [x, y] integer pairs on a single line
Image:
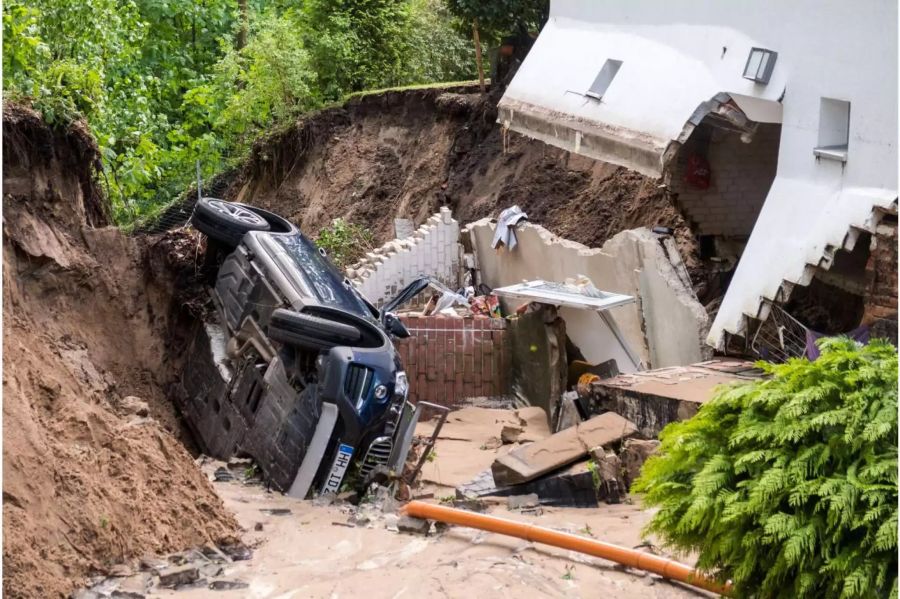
{"points": [[779, 337], [178, 214]]}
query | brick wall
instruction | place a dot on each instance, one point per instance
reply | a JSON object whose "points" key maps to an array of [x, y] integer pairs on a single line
{"points": [[432, 250], [741, 177], [448, 359], [881, 270]]}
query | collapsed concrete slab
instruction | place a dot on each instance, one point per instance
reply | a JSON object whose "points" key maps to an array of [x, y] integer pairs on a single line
{"points": [[666, 326], [571, 486], [654, 398], [535, 459]]}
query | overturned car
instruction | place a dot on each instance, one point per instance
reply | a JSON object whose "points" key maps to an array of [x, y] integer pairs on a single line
{"points": [[293, 368]]}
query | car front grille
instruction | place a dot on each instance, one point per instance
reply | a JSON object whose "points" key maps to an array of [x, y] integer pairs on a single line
{"points": [[378, 454], [357, 384]]}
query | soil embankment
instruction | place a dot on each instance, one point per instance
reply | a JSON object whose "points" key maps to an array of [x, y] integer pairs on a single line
{"points": [[406, 153], [90, 478]]}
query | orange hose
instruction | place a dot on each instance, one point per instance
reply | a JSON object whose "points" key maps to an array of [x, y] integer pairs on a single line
{"points": [[622, 555]]}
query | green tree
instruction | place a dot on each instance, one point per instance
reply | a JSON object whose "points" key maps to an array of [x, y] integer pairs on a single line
{"points": [[356, 44], [788, 486], [438, 52], [498, 18], [164, 84]]}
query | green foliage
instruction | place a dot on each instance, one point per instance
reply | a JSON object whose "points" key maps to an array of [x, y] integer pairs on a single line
{"points": [[788, 486], [438, 52], [500, 17], [345, 242], [270, 80], [163, 86]]}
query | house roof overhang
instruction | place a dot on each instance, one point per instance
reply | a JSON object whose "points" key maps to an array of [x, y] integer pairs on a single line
{"points": [[667, 83]]}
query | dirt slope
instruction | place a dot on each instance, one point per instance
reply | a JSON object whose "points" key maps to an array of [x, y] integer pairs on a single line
{"points": [[87, 482], [404, 154]]}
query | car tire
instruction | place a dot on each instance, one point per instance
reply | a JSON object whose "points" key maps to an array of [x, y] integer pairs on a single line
{"points": [[302, 330], [226, 222]]}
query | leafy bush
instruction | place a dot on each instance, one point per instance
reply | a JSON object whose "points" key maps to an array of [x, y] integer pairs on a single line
{"points": [[163, 86], [345, 242], [788, 486]]}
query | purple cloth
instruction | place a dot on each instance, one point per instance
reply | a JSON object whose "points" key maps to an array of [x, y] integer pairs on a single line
{"points": [[859, 334]]}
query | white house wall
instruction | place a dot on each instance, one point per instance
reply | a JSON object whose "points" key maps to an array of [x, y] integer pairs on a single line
{"points": [[678, 53]]}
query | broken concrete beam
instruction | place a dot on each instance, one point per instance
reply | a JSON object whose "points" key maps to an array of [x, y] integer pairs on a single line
{"points": [[654, 398], [535, 459], [633, 455], [569, 487], [416, 526], [519, 502], [608, 480], [178, 576]]}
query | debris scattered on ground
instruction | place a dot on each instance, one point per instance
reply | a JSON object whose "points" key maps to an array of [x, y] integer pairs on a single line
{"points": [[227, 585], [178, 576], [519, 502], [276, 511], [511, 434], [411, 525], [533, 460]]}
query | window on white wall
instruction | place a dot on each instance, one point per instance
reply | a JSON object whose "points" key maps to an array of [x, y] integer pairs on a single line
{"points": [[604, 78], [834, 129]]}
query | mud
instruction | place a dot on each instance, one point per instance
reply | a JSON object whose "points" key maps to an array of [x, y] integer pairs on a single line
{"points": [[405, 154], [88, 314]]}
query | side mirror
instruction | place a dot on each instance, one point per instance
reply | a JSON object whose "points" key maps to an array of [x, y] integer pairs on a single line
{"points": [[395, 326]]}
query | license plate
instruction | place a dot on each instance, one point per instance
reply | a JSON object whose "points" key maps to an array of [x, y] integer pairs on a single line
{"points": [[338, 469]]}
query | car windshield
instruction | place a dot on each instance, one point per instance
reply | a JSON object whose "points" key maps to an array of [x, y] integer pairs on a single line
{"points": [[321, 276]]}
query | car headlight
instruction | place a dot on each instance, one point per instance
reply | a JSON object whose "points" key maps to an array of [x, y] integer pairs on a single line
{"points": [[401, 384], [380, 392]]}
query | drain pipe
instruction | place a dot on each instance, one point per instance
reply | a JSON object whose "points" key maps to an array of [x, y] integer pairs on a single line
{"points": [[621, 555]]}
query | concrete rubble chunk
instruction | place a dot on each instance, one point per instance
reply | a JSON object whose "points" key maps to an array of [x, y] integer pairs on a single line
{"points": [[535, 459], [654, 398], [178, 576], [519, 502], [416, 526], [511, 434], [633, 455]]}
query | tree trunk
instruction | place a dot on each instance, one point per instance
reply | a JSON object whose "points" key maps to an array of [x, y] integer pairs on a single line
{"points": [[242, 32], [478, 54]]}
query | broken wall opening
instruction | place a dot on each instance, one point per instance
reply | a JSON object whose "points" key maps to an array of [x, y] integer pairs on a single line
{"points": [[856, 296], [741, 166], [719, 180]]}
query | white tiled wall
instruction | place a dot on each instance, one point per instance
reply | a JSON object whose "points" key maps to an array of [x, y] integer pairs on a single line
{"points": [[432, 250]]}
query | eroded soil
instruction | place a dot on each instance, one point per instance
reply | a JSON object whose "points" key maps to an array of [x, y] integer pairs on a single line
{"points": [[90, 478], [406, 154]]}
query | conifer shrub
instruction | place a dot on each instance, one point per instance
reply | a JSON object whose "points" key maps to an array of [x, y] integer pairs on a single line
{"points": [[788, 486]]}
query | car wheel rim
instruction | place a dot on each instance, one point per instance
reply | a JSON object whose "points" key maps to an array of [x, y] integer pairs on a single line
{"points": [[237, 212]]}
